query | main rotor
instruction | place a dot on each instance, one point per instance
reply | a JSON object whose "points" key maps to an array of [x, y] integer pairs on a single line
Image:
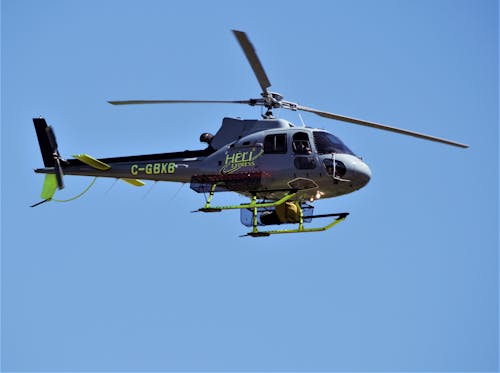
{"points": [[272, 100]]}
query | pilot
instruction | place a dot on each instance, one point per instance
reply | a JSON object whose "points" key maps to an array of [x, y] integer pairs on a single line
{"points": [[302, 147]]}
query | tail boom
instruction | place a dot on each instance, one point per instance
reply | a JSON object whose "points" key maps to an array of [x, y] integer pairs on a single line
{"points": [[160, 167]]}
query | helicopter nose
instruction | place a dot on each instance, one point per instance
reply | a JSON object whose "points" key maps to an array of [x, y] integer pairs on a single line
{"points": [[362, 172], [359, 172]]}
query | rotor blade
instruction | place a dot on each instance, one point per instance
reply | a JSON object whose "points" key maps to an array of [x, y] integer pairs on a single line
{"points": [[142, 102], [252, 57], [380, 126], [59, 173], [52, 139]]}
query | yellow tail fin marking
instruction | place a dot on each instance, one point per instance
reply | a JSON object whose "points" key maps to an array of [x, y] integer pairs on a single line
{"points": [[49, 186], [134, 182], [92, 162]]}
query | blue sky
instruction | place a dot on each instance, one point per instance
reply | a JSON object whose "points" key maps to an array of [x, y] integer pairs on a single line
{"points": [[127, 279]]}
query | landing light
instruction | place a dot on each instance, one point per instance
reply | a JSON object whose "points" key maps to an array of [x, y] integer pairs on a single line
{"points": [[317, 196]]}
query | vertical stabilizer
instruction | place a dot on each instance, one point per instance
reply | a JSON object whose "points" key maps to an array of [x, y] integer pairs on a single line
{"points": [[44, 142]]}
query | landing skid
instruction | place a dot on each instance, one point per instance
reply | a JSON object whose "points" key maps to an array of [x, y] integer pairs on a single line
{"points": [[254, 206], [340, 217]]}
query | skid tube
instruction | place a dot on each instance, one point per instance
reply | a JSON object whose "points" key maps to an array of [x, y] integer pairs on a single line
{"points": [[254, 206], [340, 217]]}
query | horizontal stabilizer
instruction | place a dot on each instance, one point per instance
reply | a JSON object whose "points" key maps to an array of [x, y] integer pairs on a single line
{"points": [[92, 162], [134, 182]]}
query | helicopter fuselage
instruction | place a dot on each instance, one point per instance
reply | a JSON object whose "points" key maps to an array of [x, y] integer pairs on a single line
{"points": [[267, 158]]}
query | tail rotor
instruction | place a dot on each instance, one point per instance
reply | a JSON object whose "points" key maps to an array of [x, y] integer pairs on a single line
{"points": [[56, 156], [51, 160]]}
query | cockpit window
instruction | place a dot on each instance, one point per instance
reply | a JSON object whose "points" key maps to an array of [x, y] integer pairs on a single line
{"points": [[328, 143], [300, 143]]}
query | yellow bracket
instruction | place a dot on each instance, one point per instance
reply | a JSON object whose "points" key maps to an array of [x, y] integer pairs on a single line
{"points": [[134, 182], [92, 162]]}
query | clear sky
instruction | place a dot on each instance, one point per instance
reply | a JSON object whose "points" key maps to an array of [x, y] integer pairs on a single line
{"points": [[127, 279]]}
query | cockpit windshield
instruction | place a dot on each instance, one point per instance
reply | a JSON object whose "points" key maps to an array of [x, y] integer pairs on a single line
{"points": [[328, 143]]}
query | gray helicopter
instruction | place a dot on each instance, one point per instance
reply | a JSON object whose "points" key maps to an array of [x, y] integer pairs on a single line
{"points": [[281, 167]]}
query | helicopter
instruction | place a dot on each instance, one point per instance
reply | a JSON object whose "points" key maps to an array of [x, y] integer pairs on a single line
{"points": [[282, 168]]}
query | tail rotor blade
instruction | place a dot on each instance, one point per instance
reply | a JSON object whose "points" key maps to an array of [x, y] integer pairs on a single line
{"points": [[57, 158], [59, 173], [52, 139]]}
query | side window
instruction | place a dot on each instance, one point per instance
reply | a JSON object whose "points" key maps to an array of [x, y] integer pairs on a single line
{"points": [[275, 144], [301, 144]]}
